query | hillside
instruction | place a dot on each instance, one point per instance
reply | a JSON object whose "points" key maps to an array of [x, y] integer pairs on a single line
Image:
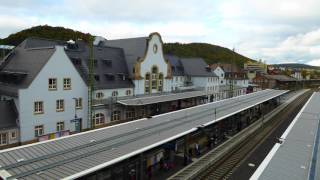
{"points": [[49, 32], [211, 53], [297, 66]]}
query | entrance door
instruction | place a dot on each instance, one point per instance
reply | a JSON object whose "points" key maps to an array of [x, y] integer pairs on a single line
{"points": [[78, 125]]}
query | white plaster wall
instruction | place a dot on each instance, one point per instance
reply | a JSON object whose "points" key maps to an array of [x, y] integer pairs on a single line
{"points": [[10, 139], [138, 87], [59, 66], [220, 73], [177, 81], [212, 83], [150, 60], [108, 92]]}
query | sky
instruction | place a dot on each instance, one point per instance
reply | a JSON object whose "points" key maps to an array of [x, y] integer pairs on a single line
{"points": [[275, 31]]}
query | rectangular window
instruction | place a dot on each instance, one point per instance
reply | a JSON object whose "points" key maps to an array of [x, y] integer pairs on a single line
{"points": [[38, 130], [60, 105], [3, 139], [115, 116], [66, 83], [52, 84], [13, 135], [154, 81], [60, 126], [79, 103], [130, 114], [147, 88], [38, 107]]}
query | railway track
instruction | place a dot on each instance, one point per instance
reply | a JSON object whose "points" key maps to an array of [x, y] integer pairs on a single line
{"points": [[224, 167]]}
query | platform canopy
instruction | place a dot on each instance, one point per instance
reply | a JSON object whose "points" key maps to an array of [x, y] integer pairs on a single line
{"points": [[77, 155], [161, 98], [298, 156]]}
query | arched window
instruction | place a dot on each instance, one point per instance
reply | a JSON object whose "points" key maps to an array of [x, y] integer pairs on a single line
{"points": [[98, 119], [154, 77], [154, 70], [147, 83], [160, 84], [115, 93], [99, 95]]}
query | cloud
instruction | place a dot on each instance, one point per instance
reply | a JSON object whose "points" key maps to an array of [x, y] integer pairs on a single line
{"points": [[315, 62], [272, 30]]}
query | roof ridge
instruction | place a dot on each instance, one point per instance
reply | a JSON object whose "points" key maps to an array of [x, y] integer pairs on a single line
{"points": [[146, 37]]}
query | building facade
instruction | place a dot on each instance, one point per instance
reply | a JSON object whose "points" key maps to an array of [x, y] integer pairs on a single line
{"points": [[47, 82]]}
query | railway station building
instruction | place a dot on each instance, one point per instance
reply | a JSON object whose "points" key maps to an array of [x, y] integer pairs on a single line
{"points": [[47, 83]]}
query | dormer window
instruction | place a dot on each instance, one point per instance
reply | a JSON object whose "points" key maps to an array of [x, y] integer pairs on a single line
{"points": [[97, 77], [110, 76], [121, 77], [76, 61], [107, 63]]}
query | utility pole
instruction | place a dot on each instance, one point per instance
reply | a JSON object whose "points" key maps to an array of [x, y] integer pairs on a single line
{"points": [[90, 82], [232, 74]]}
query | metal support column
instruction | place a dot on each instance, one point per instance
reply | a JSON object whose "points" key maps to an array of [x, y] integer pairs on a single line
{"points": [[186, 149], [141, 169]]}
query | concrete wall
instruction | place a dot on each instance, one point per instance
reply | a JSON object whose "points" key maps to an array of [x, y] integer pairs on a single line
{"points": [[59, 66]]}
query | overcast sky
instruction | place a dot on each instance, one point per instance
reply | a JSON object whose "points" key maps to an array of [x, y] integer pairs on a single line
{"points": [[277, 31]]}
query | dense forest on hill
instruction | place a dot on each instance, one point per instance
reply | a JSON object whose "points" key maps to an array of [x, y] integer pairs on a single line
{"points": [[211, 53], [49, 32]]}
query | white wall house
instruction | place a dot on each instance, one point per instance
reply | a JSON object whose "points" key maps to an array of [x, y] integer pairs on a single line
{"points": [[47, 91], [39, 106], [221, 75]]}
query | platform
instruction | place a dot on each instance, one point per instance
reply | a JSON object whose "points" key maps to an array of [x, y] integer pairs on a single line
{"points": [[81, 154], [296, 156]]}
